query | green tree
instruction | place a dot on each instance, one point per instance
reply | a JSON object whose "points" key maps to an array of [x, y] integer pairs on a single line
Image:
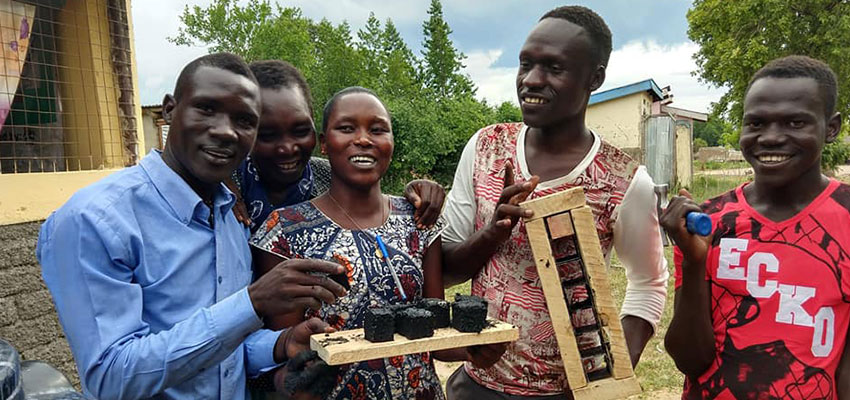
{"points": [[400, 63], [711, 131], [699, 143], [224, 25], [371, 50], [338, 63], [508, 112], [442, 63], [736, 38], [431, 121]]}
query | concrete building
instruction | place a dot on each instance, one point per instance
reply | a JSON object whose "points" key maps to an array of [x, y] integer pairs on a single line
{"points": [[154, 127], [69, 115], [638, 119]]}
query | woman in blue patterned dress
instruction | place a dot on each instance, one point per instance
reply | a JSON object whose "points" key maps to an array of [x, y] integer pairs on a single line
{"points": [[342, 225]]}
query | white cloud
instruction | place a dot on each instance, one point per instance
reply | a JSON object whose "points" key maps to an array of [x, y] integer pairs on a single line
{"points": [[495, 84], [635, 61], [357, 11], [668, 65], [158, 60]]}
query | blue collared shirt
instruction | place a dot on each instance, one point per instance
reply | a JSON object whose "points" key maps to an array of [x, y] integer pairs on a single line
{"points": [[153, 299]]}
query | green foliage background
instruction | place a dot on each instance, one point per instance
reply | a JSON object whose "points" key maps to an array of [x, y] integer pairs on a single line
{"points": [[432, 102], [738, 37]]}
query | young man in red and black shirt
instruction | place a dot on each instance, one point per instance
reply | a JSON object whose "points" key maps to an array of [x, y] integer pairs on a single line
{"points": [[762, 306]]}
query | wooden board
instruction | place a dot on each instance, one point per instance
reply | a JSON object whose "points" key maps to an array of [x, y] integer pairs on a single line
{"points": [[551, 283], [597, 271], [555, 203], [609, 388], [350, 346], [565, 214]]}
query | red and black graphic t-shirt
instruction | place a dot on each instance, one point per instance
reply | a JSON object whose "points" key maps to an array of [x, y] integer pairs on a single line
{"points": [[780, 299]]}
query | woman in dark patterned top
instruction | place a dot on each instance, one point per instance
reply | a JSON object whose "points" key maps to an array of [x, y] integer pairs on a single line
{"points": [[279, 171], [344, 225]]}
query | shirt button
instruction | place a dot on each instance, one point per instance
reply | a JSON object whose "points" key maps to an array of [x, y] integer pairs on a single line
{"points": [[219, 280], [226, 373]]}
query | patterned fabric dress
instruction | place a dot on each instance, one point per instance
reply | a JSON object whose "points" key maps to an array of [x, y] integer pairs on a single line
{"points": [[303, 231], [532, 365], [780, 299], [315, 180]]}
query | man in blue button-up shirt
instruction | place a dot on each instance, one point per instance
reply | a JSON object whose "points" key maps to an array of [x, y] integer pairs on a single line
{"points": [[149, 269]]}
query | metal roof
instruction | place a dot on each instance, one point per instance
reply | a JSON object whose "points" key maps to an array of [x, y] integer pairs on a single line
{"points": [[647, 85]]}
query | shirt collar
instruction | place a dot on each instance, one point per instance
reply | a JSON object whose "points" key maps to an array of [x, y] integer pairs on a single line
{"points": [[177, 193]]}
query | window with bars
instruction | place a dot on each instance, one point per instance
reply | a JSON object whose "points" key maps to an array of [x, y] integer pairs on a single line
{"points": [[66, 86]]}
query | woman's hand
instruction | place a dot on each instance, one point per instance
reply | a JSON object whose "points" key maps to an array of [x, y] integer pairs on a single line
{"points": [[428, 197]]}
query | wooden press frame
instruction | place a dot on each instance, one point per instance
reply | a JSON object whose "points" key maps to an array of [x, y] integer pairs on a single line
{"points": [[556, 216]]}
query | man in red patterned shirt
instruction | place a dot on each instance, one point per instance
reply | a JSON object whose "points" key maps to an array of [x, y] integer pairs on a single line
{"points": [[562, 61], [762, 307]]}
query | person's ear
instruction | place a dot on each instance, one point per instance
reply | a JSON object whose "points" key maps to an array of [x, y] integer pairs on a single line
{"points": [[833, 127], [168, 104], [598, 78], [322, 145]]}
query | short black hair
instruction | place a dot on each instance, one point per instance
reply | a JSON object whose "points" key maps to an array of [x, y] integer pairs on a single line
{"points": [[226, 61], [276, 74], [329, 106], [803, 67], [592, 23]]}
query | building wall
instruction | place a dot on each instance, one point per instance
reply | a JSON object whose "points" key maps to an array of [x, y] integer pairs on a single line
{"points": [[151, 132], [91, 119], [137, 100], [620, 121], [32, 197], [684, 153], [93, 126], [27, 317]]}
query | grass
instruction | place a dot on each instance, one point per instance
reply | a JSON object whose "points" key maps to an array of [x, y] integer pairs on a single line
{"points": [[656, 371], [705, 187], [714, 165]]}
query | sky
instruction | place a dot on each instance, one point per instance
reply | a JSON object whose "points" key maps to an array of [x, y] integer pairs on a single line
{"points": [[649, 39]]}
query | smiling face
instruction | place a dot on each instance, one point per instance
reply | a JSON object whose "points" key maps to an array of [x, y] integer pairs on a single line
{"points": [[556, 73], [286, 136], [212, 126], [784, 130], [358, 140]]}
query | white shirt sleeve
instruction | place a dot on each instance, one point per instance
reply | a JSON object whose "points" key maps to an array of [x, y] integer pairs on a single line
{"points": [[460, 204], [637, 240]]}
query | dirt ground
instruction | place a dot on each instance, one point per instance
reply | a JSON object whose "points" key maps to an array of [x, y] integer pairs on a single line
{"points": [[445, 369]]}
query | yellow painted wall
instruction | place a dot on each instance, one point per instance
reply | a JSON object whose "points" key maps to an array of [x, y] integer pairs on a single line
{"points": [[91, 119], [684, 153], [32, 197], [619, 121], [92, 124]]}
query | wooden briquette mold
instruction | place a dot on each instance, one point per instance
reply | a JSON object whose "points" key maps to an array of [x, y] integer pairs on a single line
{"points": [[584, 315]]}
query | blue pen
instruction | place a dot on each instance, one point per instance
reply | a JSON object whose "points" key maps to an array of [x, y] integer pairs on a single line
{"points": [[386, 256]]}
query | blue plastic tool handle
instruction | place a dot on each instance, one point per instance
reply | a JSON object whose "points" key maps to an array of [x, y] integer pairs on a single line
{"points": [[698, 223]]}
